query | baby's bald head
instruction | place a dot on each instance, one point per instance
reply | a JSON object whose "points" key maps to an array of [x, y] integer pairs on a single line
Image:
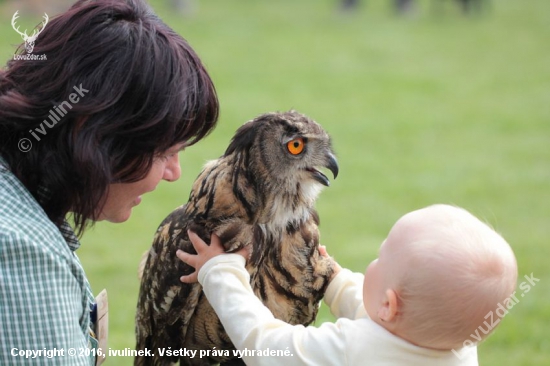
{"points": [[448, 270]]}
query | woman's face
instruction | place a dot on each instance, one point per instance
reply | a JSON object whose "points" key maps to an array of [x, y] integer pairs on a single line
{"points": [[122, 197]]}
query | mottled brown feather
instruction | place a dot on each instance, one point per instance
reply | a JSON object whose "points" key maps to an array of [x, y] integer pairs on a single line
{"points": [[256, 194]]}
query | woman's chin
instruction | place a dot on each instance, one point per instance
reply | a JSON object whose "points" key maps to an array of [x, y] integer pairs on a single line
{"points": [[116, 217]]}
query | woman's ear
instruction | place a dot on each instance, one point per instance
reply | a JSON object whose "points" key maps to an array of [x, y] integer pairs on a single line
{"points": [[388, 311]]}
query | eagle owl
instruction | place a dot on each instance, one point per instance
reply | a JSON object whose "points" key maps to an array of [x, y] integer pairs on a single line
{"points": [[260, 193]]}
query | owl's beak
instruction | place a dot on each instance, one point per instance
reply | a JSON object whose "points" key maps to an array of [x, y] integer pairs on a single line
{"points": [[331, 164]]}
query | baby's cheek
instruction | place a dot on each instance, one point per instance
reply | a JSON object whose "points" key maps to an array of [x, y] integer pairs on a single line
{"points": [[369, 288]]}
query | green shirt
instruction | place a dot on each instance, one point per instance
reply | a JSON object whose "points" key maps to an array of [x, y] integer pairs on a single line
{"points": [[45, 298]]}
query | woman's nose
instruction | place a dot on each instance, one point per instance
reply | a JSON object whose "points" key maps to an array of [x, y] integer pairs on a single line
{"points": [[172, 171]]}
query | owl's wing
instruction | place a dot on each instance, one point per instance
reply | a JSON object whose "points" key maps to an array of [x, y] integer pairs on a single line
{"points": [[165, 304]]}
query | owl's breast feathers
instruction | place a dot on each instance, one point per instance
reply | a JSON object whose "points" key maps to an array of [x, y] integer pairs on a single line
{"points": [[236, 198]]}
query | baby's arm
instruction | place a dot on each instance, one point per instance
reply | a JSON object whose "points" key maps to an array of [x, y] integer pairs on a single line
{"points": [[344, 294], [249, 324]]}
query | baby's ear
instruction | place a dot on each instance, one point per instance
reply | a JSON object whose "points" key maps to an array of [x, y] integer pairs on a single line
{"points": [[388, 310]]}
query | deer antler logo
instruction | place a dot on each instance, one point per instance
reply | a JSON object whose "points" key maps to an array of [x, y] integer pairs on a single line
{"points": [[29, 40]]}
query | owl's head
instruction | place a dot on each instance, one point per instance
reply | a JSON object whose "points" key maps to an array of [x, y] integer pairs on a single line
{"points": [[284, 153]]}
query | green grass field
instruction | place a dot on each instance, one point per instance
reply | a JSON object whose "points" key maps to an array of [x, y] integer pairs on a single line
{"points": [[433, 108]]}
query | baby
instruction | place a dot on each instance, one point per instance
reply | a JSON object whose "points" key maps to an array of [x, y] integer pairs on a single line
{"points": [[439, 273]]}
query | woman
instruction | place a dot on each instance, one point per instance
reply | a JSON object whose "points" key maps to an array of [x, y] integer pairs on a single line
{"points": [[86, 133]]}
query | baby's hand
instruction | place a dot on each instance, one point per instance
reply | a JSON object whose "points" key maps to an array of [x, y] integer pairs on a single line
{"points": [[336, 267], [205, 252]]}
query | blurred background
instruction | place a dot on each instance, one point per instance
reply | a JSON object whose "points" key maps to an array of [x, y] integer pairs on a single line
{"points": [[427, 101]]}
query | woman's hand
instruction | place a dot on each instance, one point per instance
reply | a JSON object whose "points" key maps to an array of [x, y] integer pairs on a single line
{"points": [[205, 252]]}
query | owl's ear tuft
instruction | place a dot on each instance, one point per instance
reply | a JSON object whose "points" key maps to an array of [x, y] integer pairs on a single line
{"points": [[243, 139]]}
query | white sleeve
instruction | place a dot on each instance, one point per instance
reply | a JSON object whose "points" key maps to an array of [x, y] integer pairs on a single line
{"points": [[252, 327], [344, 295]]}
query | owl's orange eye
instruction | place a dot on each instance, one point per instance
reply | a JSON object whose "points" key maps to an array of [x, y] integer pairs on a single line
{"points": [[295, 146]]}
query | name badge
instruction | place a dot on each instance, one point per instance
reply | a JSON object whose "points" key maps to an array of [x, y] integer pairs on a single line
{"points": [[102, 325]]}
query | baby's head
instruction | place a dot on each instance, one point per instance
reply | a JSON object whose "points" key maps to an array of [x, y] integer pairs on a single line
{"points": [[439, 273]]}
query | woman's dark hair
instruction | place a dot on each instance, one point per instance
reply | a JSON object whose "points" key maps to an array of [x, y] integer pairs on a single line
{"points": [[137, 89]]}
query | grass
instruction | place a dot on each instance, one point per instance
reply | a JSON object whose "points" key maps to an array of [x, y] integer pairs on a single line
{"points": [[422, 109]]}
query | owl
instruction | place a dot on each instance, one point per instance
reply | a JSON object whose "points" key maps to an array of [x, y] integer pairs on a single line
{"points": [[260, 193]]}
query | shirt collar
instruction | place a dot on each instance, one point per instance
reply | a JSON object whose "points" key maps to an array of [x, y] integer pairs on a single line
{"points": [[69, 235], [3, 164], [66, 230], [43, 194]]}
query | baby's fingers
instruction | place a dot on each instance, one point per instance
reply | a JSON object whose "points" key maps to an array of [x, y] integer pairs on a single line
{"points": [[191, 278], [187, 258], [197, 242], [190, 259]]}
